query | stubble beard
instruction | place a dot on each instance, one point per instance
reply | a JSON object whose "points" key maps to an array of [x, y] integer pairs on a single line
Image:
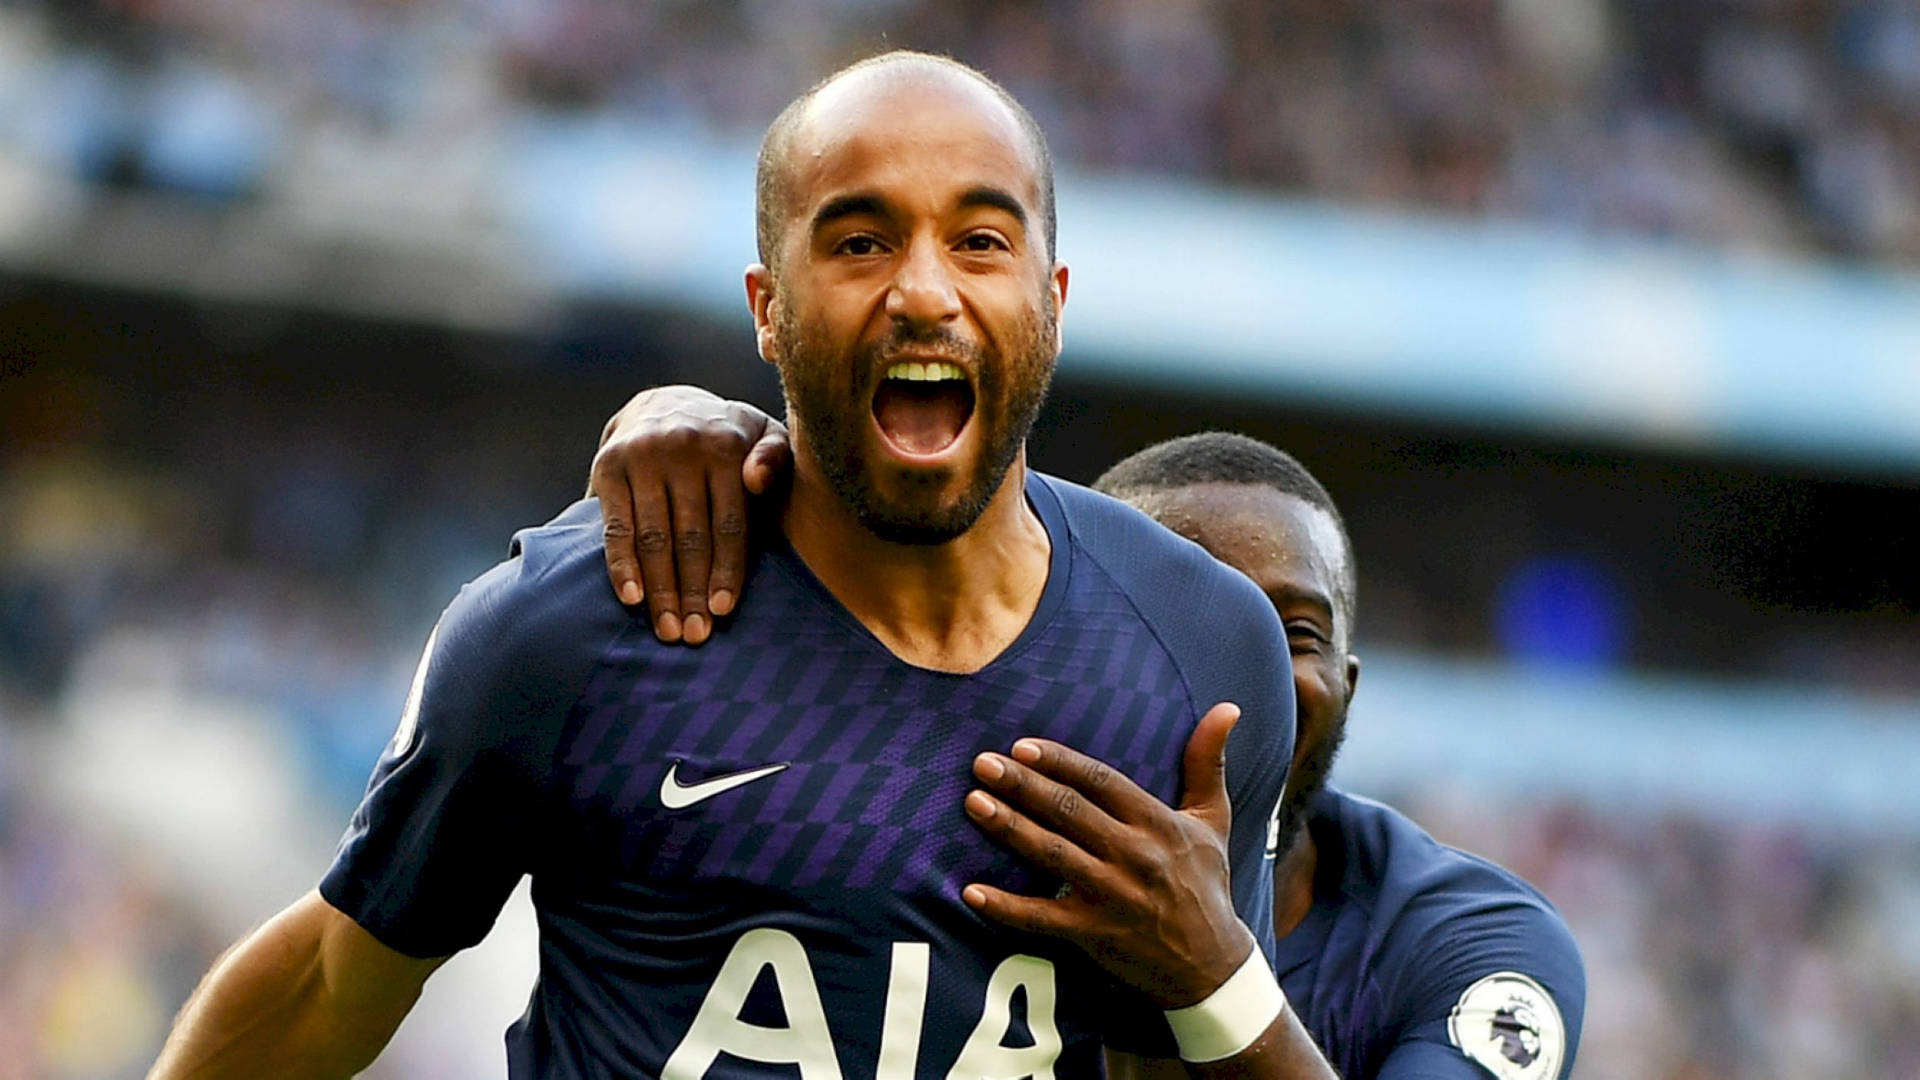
{"points": [[1308, 781], [1007, 400]]}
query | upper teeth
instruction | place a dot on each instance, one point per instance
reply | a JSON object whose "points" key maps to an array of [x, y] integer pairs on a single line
{"points": [[933, 372]]}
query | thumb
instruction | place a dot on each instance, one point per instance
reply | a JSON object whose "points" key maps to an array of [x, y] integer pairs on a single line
{"points": [[769, 460], [1203, 791]]}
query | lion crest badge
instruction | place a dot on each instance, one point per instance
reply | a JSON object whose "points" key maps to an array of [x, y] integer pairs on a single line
{"points": [[1511, 1026]]}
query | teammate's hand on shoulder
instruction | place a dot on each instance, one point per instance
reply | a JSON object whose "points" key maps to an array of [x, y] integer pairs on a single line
{"points": [[675, 468], [1147, 892]]}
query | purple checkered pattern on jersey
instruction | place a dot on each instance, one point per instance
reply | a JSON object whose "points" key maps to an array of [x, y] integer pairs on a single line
{"points": [[878, 752]]}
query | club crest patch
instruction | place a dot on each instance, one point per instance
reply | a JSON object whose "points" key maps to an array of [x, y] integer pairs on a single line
{"points": [[1510, 1025]]}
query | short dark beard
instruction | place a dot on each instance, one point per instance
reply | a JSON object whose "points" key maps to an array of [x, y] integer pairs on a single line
{"points": [[1309, 779], [1018, 387]]}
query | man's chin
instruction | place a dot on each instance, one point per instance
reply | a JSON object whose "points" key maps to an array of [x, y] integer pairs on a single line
{"points": [[916, 522]]}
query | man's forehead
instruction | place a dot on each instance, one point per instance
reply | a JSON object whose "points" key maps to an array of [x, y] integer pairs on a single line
{"points": [[1257, 520], [911, 114]]}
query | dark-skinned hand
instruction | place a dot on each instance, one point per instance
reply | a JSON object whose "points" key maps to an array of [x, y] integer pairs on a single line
{"points": [[1147, 892], [673, 475]]}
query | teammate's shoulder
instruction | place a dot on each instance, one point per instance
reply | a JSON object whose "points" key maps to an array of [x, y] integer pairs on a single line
{"points": [[1463, 939], [1437, 895], [1402, 857]]}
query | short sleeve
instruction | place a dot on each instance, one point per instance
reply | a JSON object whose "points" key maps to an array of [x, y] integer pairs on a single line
{"points": [[1502, 994], [446, 827]]}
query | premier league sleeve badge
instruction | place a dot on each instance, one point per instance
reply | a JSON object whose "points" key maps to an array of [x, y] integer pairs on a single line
{"points": [[1510, 1025]]}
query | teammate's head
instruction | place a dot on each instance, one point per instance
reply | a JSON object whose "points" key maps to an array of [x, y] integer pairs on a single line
{"points": [[907, 290], [1261, 512]]}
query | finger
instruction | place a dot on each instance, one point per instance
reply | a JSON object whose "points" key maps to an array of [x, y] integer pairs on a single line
{"points": [[770, 461], [1109, 788], [1029, 913], [653, 543], [728, 499], [1060, 807], [692, 551], [1046, 849], [1203, 790], [609, 485]]}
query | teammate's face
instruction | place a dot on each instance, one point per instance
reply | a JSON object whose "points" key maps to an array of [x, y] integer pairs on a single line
{"points": [[1294, 552], [913, 310]]}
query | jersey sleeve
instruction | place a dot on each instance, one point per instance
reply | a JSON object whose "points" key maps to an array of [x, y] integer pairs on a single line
{"points": [[446, 826], [1498, 993]]}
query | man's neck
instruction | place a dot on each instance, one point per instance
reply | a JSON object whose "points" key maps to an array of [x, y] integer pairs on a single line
{"points": [[1293, 883], [949, 607]]}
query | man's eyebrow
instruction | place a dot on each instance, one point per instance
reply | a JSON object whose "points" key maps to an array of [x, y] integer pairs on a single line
{"points": [[850, 206], [996, 198], [1283, 594]]}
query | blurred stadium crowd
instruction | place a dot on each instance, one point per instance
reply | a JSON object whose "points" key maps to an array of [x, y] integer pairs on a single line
{"points": [[1764, 124], [215, 606]]}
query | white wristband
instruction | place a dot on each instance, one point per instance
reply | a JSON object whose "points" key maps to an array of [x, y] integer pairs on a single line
{"points": [[1228, 1020]]}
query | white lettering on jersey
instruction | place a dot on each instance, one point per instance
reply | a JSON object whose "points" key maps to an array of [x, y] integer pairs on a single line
{"points": [[984, 1056], [806, 1041], [717, 1028], [906, 1011]]}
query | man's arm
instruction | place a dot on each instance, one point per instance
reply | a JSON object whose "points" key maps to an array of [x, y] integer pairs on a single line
{"points": [[675, 467], [1148, 893], [309, 994], [1496, 990]]}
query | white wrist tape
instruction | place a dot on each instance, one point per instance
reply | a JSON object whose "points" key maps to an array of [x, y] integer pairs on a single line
{"points": [[1228, 1020]]}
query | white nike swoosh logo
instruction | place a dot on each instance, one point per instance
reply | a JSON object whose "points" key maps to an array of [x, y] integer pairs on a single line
{"points": [[677, 796]]}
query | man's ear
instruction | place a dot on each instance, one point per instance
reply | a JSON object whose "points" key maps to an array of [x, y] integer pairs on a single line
{"points": [[1057, 284], [760, 301], [1353, 675]]}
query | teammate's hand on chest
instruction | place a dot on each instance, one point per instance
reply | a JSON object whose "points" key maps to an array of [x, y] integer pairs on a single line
{"points": [[1147, 892]]}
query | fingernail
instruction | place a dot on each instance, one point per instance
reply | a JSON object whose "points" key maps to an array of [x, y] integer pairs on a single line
{"points": [[721, 602], [630, 593], [667, 627], [974, 895], [1026, 751], [989, 767], [696, 629], [979, 805]]}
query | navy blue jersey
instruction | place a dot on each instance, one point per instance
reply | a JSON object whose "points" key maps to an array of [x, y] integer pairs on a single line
{"points": [[748, 857], [1419, 960]]}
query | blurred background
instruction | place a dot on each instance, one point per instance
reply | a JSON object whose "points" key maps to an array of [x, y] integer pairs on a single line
{"points": [[1599, 318]]}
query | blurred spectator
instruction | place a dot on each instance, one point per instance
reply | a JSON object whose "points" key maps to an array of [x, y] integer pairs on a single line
{"points": [[1775, 124]]}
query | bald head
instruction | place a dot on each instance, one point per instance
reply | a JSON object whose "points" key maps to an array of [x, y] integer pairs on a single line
{"points": [[847, 90]]}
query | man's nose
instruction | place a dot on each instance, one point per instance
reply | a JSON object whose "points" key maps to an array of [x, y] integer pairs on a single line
{"points": [[924, 293]]}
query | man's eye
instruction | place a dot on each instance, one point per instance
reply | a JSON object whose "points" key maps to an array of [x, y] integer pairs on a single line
{"points": [[982, 241], [857, 244], [1305, 637]]}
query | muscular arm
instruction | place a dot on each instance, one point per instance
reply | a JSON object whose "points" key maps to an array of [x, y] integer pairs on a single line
{"points": [[309, 994]]}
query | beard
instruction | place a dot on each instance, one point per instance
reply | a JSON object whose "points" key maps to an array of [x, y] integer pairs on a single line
{"points": [[1008, 393], [1309, 779]]}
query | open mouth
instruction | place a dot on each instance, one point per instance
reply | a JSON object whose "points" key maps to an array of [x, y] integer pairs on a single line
{"points": [[923, 407]]}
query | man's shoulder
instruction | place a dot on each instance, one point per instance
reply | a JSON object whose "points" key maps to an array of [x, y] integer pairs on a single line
{"points": [[532, 619], [1394, 861], [1155, 566], [1443, 920]]}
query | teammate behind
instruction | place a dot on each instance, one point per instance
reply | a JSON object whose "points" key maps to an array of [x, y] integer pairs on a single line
{"points": [[756, 857], [1404, 957]]}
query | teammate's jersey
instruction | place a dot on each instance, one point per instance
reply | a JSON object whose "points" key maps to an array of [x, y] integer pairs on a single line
{"points": [[748, 856], [1419, 960]]}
